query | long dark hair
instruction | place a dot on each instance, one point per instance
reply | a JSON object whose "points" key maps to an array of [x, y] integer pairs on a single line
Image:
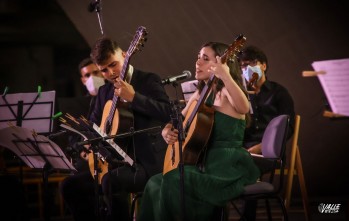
{"points": [[234, 69]]}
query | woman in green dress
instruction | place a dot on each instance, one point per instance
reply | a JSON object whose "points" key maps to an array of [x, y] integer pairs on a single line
{"points": [[227, 166]]}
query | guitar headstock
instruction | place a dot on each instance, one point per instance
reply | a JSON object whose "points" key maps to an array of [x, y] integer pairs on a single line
{"points": [[138, 41], [234, 48]]}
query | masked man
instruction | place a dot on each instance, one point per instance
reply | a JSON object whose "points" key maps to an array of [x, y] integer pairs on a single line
{"points": [[92, 78], [268, 99]]}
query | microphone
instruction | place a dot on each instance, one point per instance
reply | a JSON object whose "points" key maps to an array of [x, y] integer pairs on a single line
{"points": [[186, 74], [93, 6]]}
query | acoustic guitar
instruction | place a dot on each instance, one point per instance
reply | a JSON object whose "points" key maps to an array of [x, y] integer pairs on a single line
{"points": [[116, 117], [87, 130], [197, 124]]}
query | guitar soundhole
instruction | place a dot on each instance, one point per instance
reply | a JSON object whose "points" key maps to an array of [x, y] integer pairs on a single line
{"points": [[107, 127]]}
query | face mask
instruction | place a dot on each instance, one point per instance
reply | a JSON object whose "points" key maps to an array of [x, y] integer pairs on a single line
{"points": [[93, 83], [249, 70]]}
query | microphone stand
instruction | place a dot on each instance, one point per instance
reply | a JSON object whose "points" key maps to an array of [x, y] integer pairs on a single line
{"points": [[127, 134], [177, 121], [96, 6], [95, 142], [95, 147], [96, 172]]}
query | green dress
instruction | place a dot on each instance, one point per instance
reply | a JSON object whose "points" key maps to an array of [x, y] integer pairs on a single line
{"points": [[228, 168]]}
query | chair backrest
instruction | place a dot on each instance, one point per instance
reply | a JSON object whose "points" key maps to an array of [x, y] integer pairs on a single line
{"points": [[274, 146], [274, 137]]}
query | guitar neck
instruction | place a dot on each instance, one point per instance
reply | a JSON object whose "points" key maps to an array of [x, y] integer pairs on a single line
{"points": [[116, 98], [202, 98]]}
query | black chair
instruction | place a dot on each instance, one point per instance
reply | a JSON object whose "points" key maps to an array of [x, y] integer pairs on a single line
{"points": [[273, 149]]}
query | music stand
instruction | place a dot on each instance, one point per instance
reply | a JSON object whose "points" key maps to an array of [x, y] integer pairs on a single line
{"points": [[37, 152], [29, 110], [188, 89], [334, 78]]}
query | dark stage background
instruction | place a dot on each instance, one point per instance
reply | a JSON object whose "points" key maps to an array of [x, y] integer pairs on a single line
{"points": [[43, 41]]}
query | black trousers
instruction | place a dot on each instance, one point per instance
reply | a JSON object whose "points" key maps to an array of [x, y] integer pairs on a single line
{"points": [[78, 192], [116, 186]]}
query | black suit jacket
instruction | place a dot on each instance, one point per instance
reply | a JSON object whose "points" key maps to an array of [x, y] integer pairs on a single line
{"points": [[150, 108]]}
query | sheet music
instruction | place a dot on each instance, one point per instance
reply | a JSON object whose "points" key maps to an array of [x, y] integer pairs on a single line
{"points": [[116, 147], [38, 117], [54, 154], [188, 88], [7, 135], [335, 83], [20, 141]]}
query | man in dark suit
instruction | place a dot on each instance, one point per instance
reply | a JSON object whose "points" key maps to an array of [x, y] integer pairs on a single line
{"points": [[142, 95]]}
